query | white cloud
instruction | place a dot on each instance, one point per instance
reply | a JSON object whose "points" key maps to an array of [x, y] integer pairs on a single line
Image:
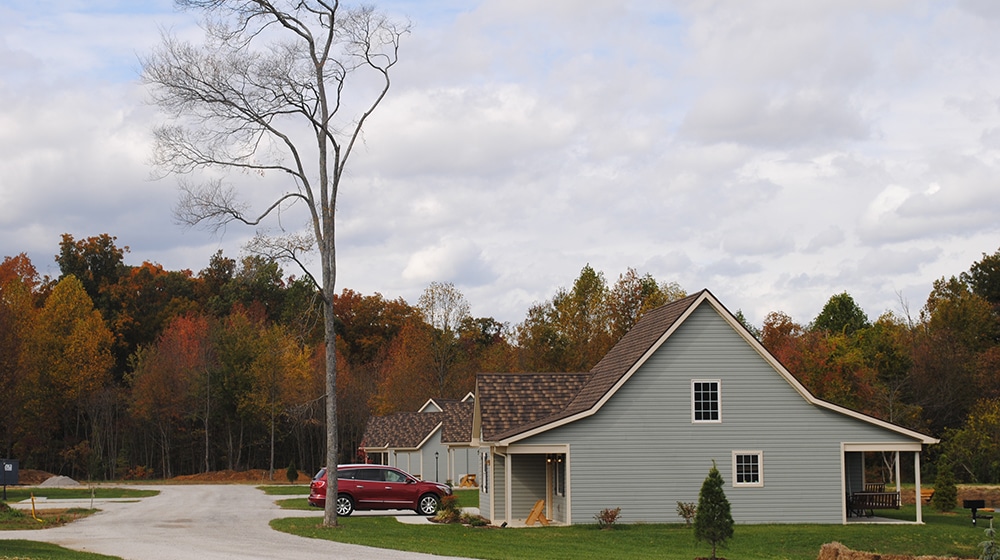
{"points": [[452, 260], [776, 153]]}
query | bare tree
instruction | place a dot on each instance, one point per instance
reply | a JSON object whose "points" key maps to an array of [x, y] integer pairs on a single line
{"points": [[444, 308], [265, 93]]}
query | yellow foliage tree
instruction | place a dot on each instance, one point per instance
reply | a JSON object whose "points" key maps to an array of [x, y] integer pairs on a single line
{"points": [[71, 361]]}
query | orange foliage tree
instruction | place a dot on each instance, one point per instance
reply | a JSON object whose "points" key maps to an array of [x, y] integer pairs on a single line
{"points": [[164, 393], [71, 361]]}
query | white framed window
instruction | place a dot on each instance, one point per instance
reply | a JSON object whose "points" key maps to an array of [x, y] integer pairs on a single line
{"points": [[748, 469], [557, 465], [706, 400], [484, 479]]}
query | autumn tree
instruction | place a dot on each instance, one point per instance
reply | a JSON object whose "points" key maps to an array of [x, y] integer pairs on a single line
{"points": [[165, 380], [974, 447], [96, 262], [633, 295], [367, 327], [444, 309], [841, 314], [542, 347], [571, 331], [20, 289], [484, 345], [886, 349], [142, 301], [984, 278], [780, 335], [70, 353], [956, 328], [409, 372], [581, 313], [265, 93], [279, 369]]}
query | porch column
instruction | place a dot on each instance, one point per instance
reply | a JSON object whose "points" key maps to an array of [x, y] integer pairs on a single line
{"points": [[898, 483], [916, 478]]}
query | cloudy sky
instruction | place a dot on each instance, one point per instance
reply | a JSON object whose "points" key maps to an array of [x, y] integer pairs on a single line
{"points": [[775, 152]]}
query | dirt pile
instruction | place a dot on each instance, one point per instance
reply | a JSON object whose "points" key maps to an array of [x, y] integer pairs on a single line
{"points": [[32, 477], [257, 476], [837, 551], [989, 493]]}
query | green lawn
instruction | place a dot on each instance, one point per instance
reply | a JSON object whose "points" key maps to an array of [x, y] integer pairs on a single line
{"points": [[81, 493], [943, 535], [285, 490], [468, 498], [44, 551]]}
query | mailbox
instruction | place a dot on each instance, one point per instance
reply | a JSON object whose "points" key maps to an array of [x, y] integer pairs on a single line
{"points": [[8, 472]]}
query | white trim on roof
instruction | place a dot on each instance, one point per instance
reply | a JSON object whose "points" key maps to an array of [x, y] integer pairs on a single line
{"points": [[430, 434], [755, 344], [431, 402]]}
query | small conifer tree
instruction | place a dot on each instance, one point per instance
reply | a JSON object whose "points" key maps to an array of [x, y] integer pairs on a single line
{"points": [[713, 520], [945, 492], [292, 474]]}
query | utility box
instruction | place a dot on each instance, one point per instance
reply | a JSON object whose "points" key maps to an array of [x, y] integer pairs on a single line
{"points": [[8, 472]]}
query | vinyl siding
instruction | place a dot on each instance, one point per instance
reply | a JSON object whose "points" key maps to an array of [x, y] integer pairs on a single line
{"points": [[641, 451], [421, 463], [855, 466], [527, 483], [462, 461], [499, 476], [486, 491]]}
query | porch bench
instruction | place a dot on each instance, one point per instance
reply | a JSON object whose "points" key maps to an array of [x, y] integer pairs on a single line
{"points": [[926, 494], [864, 504]]}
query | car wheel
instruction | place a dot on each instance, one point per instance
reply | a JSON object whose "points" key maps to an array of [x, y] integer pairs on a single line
{"points": [[345, 505], [428, 504]]}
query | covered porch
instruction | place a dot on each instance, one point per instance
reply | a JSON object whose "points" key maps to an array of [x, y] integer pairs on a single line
{"points": [[536, 485], [864, 498]]}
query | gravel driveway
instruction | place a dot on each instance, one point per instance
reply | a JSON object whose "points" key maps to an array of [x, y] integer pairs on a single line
{"points": [[207, 522]]}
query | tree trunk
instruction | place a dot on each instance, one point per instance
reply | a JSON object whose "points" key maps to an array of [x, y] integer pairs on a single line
{"points": [[330, 511]]}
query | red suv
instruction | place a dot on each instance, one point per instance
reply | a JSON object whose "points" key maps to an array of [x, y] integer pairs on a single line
{"points": [[361, 487]]}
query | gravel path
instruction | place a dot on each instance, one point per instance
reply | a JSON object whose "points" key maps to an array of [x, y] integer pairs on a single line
{"points": [[207, 522]]}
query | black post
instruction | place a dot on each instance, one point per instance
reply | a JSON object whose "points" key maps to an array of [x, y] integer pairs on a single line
{"points": [[436, 478], [3, 477]]}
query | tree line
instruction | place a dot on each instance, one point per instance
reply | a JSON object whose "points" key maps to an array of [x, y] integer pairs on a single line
{"points": [[114, 370]]}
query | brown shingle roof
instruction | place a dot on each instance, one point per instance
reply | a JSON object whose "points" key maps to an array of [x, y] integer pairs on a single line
{"points": [[508, 400], [457, 421], [615, 364], [402, 430]]}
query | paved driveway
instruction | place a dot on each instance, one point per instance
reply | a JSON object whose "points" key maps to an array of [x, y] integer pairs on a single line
{"points": [[207, 522]]}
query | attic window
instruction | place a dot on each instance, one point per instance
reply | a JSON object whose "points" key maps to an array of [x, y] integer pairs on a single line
{"points": [[705, 401]]}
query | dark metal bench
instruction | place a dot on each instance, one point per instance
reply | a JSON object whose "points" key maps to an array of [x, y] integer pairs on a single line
{"points": [[976, 505], [864, 504]]}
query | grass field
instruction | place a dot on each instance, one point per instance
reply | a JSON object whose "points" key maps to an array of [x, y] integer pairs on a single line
{"points": [[949, 534], [31, 550], [77, 493]]}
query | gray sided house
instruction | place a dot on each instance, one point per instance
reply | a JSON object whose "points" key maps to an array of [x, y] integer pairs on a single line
{"points": [[432, 444], [687, 385]]}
